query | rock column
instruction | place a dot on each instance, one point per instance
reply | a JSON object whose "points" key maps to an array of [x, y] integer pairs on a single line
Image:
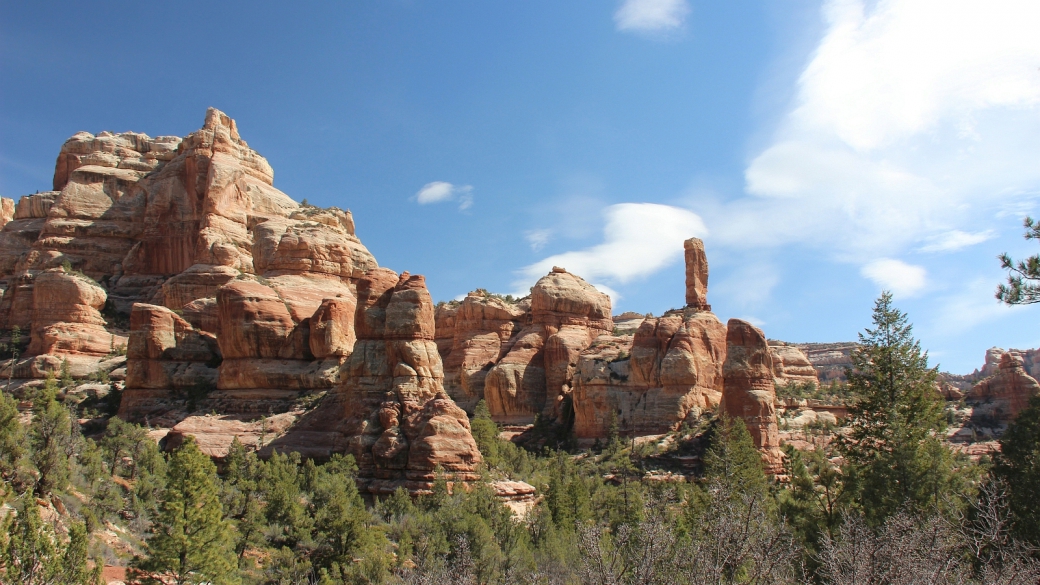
{"points": [[696, 275]]}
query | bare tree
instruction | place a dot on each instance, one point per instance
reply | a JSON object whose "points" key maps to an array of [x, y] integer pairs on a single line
{"points": [[904, 550], [455, 569], [738, 540], [985, 530], [632, 555]]}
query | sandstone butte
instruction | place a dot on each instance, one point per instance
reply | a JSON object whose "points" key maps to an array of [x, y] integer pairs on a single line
{"points": [[245, 315]]}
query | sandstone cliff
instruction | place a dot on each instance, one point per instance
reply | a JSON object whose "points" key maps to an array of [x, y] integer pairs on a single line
{"points": [[1001, 396], [242, 306]]}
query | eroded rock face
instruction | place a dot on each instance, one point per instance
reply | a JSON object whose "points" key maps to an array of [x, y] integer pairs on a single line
{"points": [[166, 360], [748, 393], [66, 316], [484, 329], [536, 373], [400, 425], [791, 365], [1001, 396], [171, 221], [668, 372], [696, 275]]}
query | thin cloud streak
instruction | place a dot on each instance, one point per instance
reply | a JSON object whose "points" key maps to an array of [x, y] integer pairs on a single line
{"points": [[651, 15]]}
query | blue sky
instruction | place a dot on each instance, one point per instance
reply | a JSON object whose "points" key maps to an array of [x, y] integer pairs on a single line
{"points": [[822, 149]]}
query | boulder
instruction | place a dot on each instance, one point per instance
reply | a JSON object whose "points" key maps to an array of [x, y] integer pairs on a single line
{"points": [[748, 393]]}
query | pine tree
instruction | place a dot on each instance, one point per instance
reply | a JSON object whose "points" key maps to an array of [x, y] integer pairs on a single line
{"points": [[485, 433], [191, 541], [732, 461], [1018, 464], [1023, 281], [33, 555], [12, 439], [893, 451], [54, 438]]}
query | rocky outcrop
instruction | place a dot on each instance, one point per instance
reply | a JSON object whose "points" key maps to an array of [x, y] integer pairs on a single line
{"points": [[994, 355], [829, 359], [169, 364], [66, 316], [748, 393], [1000, 397], [791, 365], [696, 275], [484, 328], [669, 372], [536, 373], [397, 420]]}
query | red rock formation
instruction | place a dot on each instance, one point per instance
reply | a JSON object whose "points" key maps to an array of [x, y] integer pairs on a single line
{"points": [[483, 329], [1000, 397], [669, 372], [696, 275], [830, 360], [748, 392], [66, 316], [791, 365], [399, 424], [166, 358], [567, 314]]}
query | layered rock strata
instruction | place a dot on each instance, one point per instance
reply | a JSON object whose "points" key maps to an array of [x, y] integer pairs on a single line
{"points": [[240, 303], [791, 365], [535, 374], [482, 329], [748, 392], [1000, 397], [669, 372], [390, 410]]}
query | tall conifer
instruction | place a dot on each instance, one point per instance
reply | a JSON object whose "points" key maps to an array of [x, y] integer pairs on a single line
{"points": [[191, 541], [894, 453]]}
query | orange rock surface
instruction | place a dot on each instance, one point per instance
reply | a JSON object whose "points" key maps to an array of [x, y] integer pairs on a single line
{"points": [[748, 393]]}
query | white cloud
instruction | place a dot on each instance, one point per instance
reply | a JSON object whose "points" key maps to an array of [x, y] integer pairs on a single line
{"points": [[537, 238], [439, 191], [914, 121], [902, 279], [638, 240], [651, 15], [955, 240]]}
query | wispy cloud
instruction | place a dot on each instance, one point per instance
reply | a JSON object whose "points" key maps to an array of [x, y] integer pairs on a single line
{"points": [[638, 240], [538, 238], [902, 279], [954, 240], [649, 16], [913, 121], [440, 191]]}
